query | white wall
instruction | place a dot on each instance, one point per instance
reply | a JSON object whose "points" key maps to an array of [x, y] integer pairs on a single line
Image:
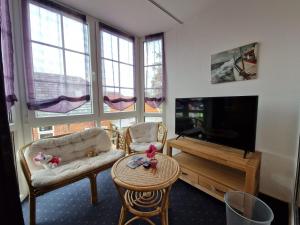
{"points": [[275, 24]]}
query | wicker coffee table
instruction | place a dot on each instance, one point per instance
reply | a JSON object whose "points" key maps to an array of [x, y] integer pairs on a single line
{"points": [[143, 192]]}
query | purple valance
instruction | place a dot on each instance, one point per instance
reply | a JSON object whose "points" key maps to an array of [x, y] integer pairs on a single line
{"points": [[57, 70], [154, 102], [155, 70], [119, 103], [7, 53]]}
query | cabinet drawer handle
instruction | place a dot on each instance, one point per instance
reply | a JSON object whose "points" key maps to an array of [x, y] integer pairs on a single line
{"points": [[218, 190], [183, 173]]}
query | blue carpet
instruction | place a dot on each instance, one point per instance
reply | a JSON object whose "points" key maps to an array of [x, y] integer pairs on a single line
{"points": [[71, 205]]}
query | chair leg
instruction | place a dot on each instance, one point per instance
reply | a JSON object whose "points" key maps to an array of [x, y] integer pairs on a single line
{"points": [[32, 206], [93, 182]]}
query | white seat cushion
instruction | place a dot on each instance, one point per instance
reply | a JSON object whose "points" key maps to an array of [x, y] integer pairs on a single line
{"points": [[70, 147], [141, 147], [71, 169]]}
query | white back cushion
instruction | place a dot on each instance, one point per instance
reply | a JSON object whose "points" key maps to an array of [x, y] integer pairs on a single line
{"points": [[69, 147], [144, 132]]}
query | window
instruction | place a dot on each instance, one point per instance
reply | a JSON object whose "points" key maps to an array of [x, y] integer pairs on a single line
{"points": [[153, 74], [60, 129], [153, 119], [60, 56], [47, 128], [119, 124], [117, 63]]}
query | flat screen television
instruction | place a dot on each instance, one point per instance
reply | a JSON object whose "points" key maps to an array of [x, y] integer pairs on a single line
{"points": [[229, 121]]}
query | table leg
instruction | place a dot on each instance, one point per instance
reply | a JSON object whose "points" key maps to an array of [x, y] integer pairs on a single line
{"points": [[123, 214], [163, 217]]}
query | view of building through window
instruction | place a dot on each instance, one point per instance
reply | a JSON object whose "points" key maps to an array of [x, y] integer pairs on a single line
{"points": [[60, 129], [119, 124]]}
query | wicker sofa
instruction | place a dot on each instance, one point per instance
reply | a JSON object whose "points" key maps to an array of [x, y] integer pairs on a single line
{"points": [[75, 163]]}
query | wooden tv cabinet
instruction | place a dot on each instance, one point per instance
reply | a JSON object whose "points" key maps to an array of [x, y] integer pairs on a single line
{"points": [[216, 169]]}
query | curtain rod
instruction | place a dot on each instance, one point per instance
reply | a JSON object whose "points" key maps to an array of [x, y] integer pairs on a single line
{"points": [[165, 11]]}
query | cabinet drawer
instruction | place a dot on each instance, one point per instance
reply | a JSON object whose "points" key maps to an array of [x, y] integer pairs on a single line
{"points": [[190, 175], [213, 186]]}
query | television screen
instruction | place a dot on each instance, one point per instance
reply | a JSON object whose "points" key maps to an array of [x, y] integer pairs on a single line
{"points": [[229, 121]]}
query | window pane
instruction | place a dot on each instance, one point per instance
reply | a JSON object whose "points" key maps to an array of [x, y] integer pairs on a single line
{"points": [[153, 119], [47, 59], [47, 128], [45, 26], [75, 35], [126, 92], [111, 92], [152, 93], [126, 76], [153, 52], [110, 73], [117, 74], [153, 77], [149, 109], [121, 123], [77, 65], [61, 129], [109, 46], [126, 51]]}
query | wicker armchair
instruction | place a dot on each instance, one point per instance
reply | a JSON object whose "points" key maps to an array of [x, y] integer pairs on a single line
{"points": [[159, 142], [37, 188]]}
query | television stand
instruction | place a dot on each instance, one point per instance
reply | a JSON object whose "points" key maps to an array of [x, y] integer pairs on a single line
{"points": [[216, 169]]}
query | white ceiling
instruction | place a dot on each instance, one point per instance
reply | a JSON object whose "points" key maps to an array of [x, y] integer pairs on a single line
{"points": [[140, 17]]}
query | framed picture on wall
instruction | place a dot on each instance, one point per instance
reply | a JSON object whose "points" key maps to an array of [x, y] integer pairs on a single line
{"points": [[235, 65]]}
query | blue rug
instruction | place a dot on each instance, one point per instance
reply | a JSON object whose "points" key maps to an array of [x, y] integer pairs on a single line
{"points": [[71, 205]]}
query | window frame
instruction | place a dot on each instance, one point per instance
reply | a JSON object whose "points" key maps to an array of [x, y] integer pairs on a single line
{"points": [[143, 88], [120, 114], [28, 118], [35, 121]]}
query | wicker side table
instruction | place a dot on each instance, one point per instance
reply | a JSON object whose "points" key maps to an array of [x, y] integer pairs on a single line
{"points": [[143, 192]]}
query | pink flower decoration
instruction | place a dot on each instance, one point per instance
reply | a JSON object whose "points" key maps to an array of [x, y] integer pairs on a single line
{"points": [[151, 151]]}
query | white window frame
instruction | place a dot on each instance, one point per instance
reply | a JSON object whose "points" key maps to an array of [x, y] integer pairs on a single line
{"points": [[142, 71], [29, 121], [117, 115], [51, 120]]}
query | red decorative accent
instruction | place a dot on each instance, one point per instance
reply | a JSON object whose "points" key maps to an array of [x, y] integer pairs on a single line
{"points": [[151, 151], [55, 159]]}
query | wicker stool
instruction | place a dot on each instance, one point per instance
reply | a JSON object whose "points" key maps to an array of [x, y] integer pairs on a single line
{"points": [[145, 192]]}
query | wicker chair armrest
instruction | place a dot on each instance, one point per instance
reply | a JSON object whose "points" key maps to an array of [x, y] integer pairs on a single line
{"points": [[24, 165]]}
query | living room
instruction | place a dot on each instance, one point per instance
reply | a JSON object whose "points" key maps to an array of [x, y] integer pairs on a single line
{"points": [[187, 35]]}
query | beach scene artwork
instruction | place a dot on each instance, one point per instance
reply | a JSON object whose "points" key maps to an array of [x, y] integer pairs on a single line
{"points": [[235, 65]]}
